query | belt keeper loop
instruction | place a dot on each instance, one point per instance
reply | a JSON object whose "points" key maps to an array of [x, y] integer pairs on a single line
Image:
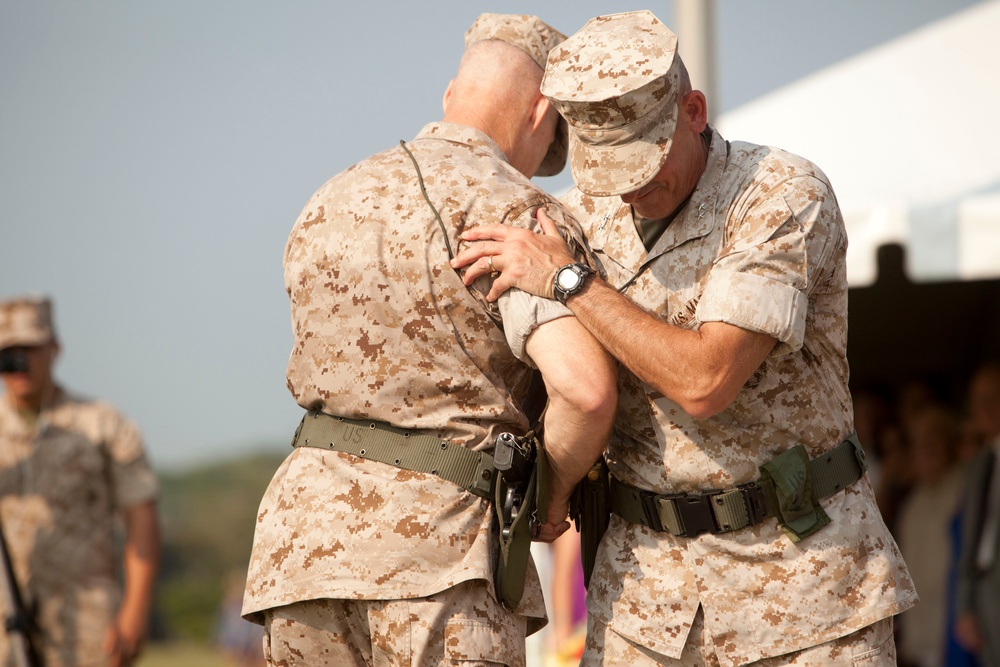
{"points": [[859, 453]]}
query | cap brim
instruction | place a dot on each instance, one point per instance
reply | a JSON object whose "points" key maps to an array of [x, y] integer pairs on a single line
{"points": [[608, 169], [24, 340], [555, 159]]}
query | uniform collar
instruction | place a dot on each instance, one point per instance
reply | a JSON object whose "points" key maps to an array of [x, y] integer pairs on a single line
{"points": [[6, 405], [462, 134], [697, 218]]}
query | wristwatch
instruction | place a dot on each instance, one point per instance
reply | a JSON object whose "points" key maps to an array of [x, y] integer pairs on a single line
{"points": [[569, 280]]}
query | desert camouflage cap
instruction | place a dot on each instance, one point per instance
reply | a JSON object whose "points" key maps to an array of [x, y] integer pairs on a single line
{"points": [[536, 38], [26, 321], [528, 33], [615, 82]]}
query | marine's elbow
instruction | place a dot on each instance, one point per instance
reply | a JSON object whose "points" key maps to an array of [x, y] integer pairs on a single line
{"points": [[705, 399], [603, 403], [596, 401], [702, 409]]}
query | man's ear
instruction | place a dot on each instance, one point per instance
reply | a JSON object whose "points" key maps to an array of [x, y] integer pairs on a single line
{"points": [[695, 107], [54, 350], [447, 96], [539, 109]]}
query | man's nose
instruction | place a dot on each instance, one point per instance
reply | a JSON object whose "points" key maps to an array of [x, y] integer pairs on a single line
{"points": [[630, 197]]}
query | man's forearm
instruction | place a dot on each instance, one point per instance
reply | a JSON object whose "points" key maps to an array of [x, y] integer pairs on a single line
{"points": [[141, 558], [700, 370], [581, 382], [573, 443]]}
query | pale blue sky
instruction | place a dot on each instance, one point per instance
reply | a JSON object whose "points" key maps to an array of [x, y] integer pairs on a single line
{"points": [[154, 155]]}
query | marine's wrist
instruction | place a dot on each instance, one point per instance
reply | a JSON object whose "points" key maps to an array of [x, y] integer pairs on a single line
{"points": [[570, 279]]}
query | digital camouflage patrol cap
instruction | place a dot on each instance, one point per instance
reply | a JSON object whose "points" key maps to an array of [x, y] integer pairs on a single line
{"points": [[615, 82], [26, 321], [536, 38]]}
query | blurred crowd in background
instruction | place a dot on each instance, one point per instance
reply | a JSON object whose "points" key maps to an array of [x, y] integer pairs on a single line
{"points": [[926, 450]]}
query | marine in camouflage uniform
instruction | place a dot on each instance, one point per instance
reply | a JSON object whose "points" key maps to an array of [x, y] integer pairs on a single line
{"points": [[357, 561], [71, 469], [724, 295]]}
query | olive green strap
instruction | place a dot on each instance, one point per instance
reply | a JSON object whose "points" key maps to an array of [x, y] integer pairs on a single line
{"points": [[838, 468], [686, 515], [423, 191], [378, 441]]}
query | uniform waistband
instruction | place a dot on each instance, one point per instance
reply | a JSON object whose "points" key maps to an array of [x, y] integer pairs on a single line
{"points": [[378, 441], [687, 515]]}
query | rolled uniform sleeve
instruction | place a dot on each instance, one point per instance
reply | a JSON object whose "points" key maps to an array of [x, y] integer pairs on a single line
{"points": [[133, 480], [782, 248], [755, 303], [522, 312]]}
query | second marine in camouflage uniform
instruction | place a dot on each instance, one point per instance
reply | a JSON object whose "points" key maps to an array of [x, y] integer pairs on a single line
{"points": [[385, 330], [733, 258]]}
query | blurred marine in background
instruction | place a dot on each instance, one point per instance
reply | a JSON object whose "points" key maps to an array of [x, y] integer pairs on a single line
{"points": [[378, 539], [71, 470]]}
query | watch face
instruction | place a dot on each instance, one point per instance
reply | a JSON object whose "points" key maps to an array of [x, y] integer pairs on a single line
{"points": [[568, 278]]}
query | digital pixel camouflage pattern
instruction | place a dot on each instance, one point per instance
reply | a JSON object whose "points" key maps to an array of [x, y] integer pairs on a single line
{"points": [[384, 329], [871, 646], [64, 483], [462, 625], [760, 245]]}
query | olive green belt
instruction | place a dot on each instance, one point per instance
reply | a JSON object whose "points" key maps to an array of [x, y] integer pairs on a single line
{"points": [[378, 441], [687, 515]]}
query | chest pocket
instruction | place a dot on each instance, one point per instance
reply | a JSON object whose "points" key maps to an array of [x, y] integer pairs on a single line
{"points": [[673, 283]]}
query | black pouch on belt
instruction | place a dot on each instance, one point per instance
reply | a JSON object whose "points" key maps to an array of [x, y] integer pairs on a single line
{"points": [[521, 498], [590, 509], [788, 482]]}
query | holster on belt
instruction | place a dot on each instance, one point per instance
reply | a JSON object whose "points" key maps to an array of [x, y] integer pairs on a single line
{"points": [[590, 509], [791, 491], [521, 497]]}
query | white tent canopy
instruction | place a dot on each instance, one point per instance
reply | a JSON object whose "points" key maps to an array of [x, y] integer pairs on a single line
{"points": [[909, 134]]}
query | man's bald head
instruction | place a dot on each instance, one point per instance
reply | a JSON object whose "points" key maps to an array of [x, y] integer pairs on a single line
{"points": [[496, 90], [497, 74]]}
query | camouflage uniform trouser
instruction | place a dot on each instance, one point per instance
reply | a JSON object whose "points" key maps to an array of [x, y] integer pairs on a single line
{"points": [[462, 625], [74, 627], [871, 646]]}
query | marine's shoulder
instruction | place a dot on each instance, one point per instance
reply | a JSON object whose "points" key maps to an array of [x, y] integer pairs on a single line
{"points": [[84, 409], [770, 164]]}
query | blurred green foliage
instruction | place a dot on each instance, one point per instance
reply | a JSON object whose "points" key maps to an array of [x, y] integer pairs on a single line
{"points": [[182, 655], [208, 516]]}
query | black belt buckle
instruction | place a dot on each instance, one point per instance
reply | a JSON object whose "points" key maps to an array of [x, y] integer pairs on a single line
{"points": [[758, 508], [696, 513], [651, 508]]}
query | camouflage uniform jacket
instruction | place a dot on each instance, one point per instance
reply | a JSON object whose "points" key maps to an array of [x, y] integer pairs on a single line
{"points": [[384, 329], [63, 485], [761, 245]]}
